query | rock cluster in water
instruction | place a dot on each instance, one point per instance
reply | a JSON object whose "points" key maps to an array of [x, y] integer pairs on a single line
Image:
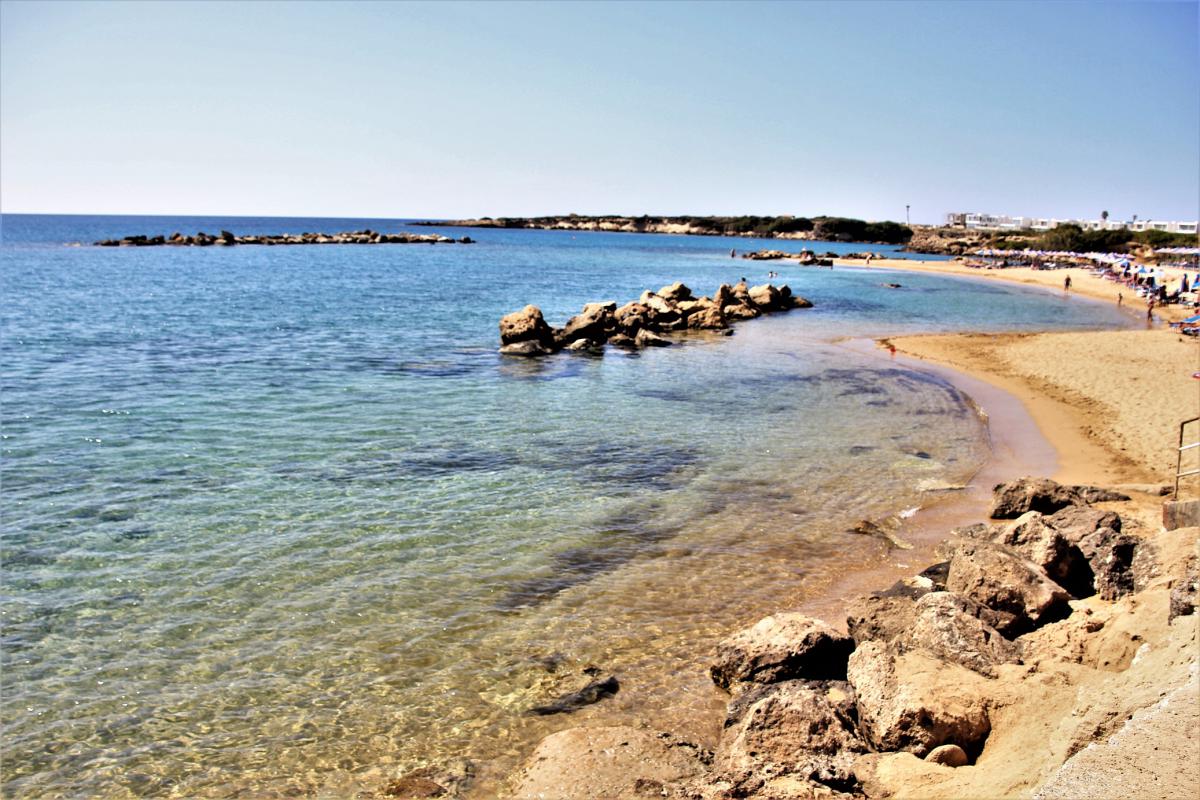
{"points": [[226, 238], [806, 258], [916, 673], [642, 322]]}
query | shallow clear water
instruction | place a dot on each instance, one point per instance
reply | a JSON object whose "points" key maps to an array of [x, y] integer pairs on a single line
{"points": [[281, 520]]}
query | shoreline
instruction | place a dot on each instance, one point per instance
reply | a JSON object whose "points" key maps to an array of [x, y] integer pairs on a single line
{"points": [[1080, 387]]}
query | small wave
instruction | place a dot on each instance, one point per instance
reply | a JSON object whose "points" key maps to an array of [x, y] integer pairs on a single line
{"points": [[909, 512]]}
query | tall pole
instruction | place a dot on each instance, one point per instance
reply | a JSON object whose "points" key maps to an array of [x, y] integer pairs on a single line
{"points": [[906, 221]]}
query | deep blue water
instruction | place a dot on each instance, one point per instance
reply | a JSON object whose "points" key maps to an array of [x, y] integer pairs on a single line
{"points": [[275, 517]]}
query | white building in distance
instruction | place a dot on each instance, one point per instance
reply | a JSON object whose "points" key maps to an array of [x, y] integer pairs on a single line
{"points": [[1003, 222]]}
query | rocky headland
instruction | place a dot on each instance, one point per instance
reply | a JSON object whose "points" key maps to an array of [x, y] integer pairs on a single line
{"points": [[645, 322], [225, 238]]}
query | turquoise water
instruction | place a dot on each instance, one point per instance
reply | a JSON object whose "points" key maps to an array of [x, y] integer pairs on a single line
{"points": [[281, 521]]}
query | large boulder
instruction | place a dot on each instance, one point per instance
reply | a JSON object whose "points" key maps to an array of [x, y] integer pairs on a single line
{"points": [[800, 302], [632, 317], [1036, 539], [676, 292], [1011, 500], [945, 625], [661, 312], [723, 296], [1018, 591], [609, 763], [594, 323], [526, 325], [707, 318], [807, 729], [741, 293], [782, 647], [740, 311], [1113, 558], [766, 297], [645, 338], [880, 617], [1075, 522], [915, 702]]}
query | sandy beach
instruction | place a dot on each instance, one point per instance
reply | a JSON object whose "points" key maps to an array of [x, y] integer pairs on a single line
{"points": [[1109, 401]]}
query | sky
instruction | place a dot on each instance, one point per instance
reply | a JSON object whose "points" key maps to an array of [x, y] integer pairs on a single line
{"points": [[445, 110]]}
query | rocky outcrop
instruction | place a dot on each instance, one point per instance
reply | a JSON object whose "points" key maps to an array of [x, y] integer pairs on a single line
{"points": [[929, 668], [804, 729], [1184, 592], [1022, 596], [915, 702], [645, 322], [945, 625], [945, 241], [782, 647], [227, 238], [526, 333], [1011, 500], [594, 692]]}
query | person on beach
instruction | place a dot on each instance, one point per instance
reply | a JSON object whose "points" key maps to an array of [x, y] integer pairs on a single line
{"points": [[1067, 284], [1120, 299], [1150, 308]]}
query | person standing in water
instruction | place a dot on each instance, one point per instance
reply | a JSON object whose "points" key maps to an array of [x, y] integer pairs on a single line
{"points": [[1067, 284]]}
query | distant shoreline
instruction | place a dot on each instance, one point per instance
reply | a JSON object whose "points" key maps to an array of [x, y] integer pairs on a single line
{"points": [[830, 229]]}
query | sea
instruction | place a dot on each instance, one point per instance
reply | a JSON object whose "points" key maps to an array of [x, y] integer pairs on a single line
{"points": [[281, 522]]}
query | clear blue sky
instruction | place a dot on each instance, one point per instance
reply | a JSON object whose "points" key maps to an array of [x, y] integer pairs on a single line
{"points": [[445, 110]]}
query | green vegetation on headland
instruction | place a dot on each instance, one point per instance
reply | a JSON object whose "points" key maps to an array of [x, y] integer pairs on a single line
{"points": [[1068, 237], [1075, 238], [837, 229]]}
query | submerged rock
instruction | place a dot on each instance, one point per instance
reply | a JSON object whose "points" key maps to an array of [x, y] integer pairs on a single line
{"points": [[608, 762], [594, 692]]}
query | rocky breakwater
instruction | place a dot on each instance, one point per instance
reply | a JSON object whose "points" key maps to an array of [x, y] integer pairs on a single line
{"points": [[225, 238], [643, 322], [1044, 612]]}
